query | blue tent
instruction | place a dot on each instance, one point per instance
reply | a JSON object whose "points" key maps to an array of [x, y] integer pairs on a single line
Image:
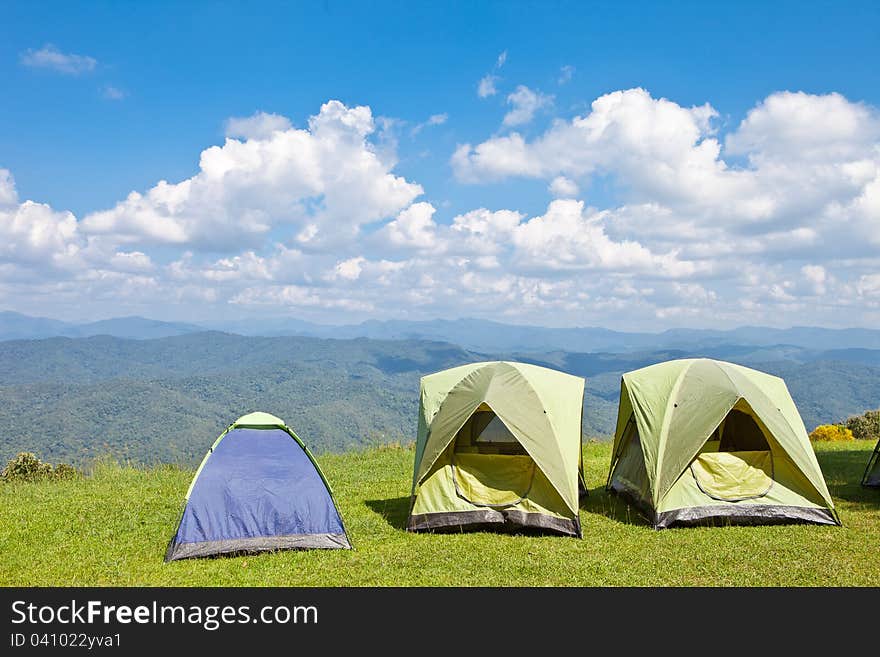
{"points": [[258, 488]]}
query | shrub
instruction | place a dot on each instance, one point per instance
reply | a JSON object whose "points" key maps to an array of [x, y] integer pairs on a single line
{"points": [[65, 471], [865, 426], [27, 467], [831, 432]]}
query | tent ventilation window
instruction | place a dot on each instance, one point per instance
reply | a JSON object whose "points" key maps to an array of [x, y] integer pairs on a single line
{"points": [[485, 433]]}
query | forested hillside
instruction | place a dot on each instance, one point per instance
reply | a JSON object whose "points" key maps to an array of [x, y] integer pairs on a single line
{"points": [[166, 399]]}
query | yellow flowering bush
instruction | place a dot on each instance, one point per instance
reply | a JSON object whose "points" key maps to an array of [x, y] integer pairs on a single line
{"points": [[831, 432]]}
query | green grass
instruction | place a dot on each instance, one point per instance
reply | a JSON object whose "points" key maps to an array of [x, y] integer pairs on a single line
{"points": [[112, 527]]}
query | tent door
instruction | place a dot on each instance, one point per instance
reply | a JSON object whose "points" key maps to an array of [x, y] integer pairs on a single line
{"points": [[490, 468], [736, 463]]}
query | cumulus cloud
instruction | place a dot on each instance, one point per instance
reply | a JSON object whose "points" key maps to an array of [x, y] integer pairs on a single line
{"points": [[317, 184], [33, 233], [524, 104], [413, 227], [49, 57], [47, 262], [567, 237], [667, 158], [772, 220], [562, 187], [816, 276], [260, 125], [483, 231], [626, 131], [799, 126]]}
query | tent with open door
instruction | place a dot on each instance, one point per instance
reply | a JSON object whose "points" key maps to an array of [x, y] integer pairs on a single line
{"points": [[499, 445], [871, 478], [700, 441], [258, 489]]}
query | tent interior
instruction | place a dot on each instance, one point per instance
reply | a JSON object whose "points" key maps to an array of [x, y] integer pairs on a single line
{"points": [[738, 461], [490, 466]]}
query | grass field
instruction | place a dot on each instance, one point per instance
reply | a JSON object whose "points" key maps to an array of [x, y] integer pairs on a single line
{"points": [[112, 527]]}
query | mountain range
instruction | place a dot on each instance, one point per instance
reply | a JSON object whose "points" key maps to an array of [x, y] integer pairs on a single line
{"points": [[475, 334], [166, 399]]}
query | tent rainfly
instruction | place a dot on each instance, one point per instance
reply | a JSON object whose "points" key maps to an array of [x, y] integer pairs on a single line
{"points": [[258, 489], [871, 478], [700, 441], [499, 445]]}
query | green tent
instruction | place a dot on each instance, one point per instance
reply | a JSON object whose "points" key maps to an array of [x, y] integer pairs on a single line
{"points": [[499, 444], [700, 441], [871, 479]]}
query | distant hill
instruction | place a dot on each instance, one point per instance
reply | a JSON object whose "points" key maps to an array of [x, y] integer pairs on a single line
{"points": [[485, 335], [15, 326], [166, 399], [474, 334]]}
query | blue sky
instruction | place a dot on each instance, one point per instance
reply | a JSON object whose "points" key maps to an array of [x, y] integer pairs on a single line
{"points": [[136, 92]]}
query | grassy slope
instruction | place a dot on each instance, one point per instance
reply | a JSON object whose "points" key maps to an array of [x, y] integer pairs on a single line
{"points": [[112, 529]]}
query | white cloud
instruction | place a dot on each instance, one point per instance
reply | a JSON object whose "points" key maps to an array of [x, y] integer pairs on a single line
{"points": [[33, 234], [349, 269], [656, 144], [869, 286], [317, 219], [524, 104], [661, 155], [109, 92], [799, 126], [434, 119], [486, 224], [562, 187], [816, 276], [567, 237], [414, 227], [296, 296], [486, 86], [565, 74], [319, 184], [36, 234], [260, 125], [132, 261], [49, 57]]}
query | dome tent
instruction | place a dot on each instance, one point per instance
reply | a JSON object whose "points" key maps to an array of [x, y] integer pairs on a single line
{"points": [[499, 444], [700, 441], [257, 489]]}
